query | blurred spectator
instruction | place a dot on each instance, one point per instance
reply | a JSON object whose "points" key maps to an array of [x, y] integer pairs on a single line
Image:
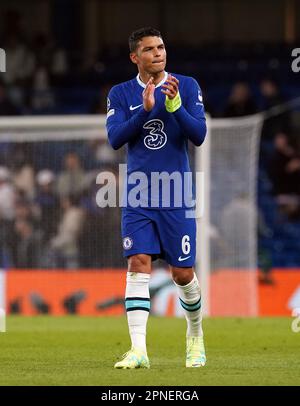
{"points": [[42, 49], [7, 108], [101, 153], [59, 66], [240, 101], [24, 180], [20, 160], [20, 65], [99, 105], [101, 234], [27, 249], [42, 96], [6, 243], [47, 203], [7, 195], [65, 243], [284, 168], [20, 62], [237, 216], [284, 171], [25, 211], [49, 56], [72, 180], [279, 122], [264, 254]]}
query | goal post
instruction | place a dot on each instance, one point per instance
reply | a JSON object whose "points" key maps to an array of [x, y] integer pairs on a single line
{"points": [[202, 266]]}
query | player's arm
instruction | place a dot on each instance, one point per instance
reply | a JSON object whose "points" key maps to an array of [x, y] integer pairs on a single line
{"points": [[119, 129], [191, 116]]}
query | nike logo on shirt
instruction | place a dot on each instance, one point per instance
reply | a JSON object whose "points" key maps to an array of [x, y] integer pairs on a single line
{"points": [[134, 107]]}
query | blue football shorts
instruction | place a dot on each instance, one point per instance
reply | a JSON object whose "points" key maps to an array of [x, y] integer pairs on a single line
{"points": [[166, 234]]}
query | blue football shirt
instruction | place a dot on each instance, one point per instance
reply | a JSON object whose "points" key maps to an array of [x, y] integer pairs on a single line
{"points": [[157, 141]]}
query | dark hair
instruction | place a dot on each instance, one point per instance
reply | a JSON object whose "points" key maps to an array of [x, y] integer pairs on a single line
{"points": [[137, 35]]}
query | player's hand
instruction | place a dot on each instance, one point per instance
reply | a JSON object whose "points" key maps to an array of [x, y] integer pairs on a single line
{"points": [[148, 95], [171, 90], [170, 87]]}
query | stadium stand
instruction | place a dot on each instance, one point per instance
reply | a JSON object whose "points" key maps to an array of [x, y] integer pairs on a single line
{"points": [[40, 81]]}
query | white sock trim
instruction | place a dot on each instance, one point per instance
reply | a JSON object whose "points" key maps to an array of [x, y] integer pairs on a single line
{"points": [[137, 277]]}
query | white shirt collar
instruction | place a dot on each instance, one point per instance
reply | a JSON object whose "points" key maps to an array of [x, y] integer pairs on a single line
{"points": [[158, 84]]}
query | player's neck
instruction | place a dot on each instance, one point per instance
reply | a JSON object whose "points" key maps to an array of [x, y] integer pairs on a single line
{"points": [[157, 78]]}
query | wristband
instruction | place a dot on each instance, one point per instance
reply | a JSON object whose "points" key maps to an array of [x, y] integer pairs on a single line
{"points": [[173, 104]]}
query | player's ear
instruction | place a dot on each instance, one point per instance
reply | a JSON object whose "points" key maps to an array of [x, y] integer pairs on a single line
{"points": [[133, 57]]}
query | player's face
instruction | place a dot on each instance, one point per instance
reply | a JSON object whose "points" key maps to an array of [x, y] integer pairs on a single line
{"points": [[150, 55]]}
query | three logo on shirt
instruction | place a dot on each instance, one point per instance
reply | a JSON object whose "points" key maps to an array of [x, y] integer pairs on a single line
{"points": [[156, 138]]}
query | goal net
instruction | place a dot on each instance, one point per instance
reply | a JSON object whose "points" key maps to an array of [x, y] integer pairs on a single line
{"points": [[62, 253], [227, 232]]}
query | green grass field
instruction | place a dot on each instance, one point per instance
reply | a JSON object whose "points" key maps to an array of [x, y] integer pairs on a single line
{"points": [[82, 351]]}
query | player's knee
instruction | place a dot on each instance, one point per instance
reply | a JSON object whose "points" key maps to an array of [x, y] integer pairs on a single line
{"points": [[139, 263], [182, 276]]}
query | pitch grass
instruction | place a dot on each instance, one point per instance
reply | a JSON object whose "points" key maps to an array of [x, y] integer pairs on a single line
{"points": [[82, 350]]}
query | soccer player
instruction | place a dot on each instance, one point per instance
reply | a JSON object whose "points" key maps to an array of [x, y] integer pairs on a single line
{"points": [[155, 114]]}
